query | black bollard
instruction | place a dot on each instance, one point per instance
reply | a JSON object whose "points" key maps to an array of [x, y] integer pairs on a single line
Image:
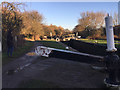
{"points": [[112, 62]]}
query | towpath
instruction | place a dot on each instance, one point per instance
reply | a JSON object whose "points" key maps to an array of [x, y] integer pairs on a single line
{"points": [[63, 73]]}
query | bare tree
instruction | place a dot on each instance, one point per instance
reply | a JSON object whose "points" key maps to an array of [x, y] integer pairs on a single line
{"points": [[115, 19], [91, 19], [78, 28], [32, 23], [11, 20]]}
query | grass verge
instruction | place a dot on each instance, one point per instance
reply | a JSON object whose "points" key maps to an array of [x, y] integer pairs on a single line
{"points": [[19, 51], [102, 42], [52, 44]]}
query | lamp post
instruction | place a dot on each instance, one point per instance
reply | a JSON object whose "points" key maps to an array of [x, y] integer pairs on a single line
{"points": [[112, 60]]}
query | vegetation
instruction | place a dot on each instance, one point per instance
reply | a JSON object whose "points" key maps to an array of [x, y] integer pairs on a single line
{"points": [[52, 44], [91, 19], [102, 42], [17, 52], [98, 41], [25, 24], [30, 24], [11, 21], [115, 19], [91, 25]]}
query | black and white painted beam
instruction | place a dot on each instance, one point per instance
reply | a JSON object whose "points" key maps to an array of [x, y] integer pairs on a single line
{"points": [[66, 54]]}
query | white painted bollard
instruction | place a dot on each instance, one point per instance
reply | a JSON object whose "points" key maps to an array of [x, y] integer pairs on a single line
{"points": [[110, 34]]}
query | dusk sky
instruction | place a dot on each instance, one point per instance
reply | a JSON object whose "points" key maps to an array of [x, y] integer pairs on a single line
{"points": [[66, 14]]}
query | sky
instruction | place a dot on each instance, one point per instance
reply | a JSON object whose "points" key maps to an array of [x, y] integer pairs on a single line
{"points": [[66, 14]]}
